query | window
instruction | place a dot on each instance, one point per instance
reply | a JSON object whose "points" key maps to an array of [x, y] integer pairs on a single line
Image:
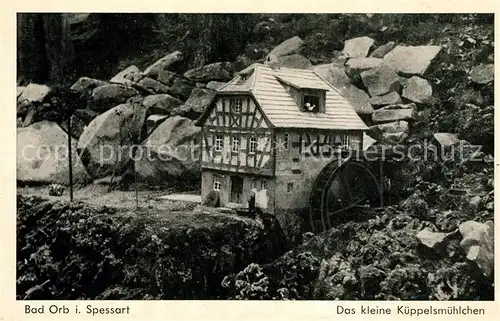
{"points": [[311, 103], [217, 183], [253, 185], [289, 188], [236, 144], [219, 143], [237, 105], [286, 140], [263, 184], [345, 141], [252, 145]]}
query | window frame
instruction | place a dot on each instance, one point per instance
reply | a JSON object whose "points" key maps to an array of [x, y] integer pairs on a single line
{"points": [[286, 143], [235, 139], [345, 141], [290, 187], [237, 104], [252, 142], [319, 94], [217, 185], [216, 143], [263, 184]]}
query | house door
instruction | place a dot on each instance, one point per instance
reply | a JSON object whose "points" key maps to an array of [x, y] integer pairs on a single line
{"points": [[236, 189]]}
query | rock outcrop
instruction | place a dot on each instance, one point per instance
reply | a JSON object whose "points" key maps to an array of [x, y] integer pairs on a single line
{"points": [[219, 71], [478, 243], [42, 156], [418, 90], [104, 143], [108, 96], [34, 93], [357, 47], [483, 74], [171, 150], [162, 104], [86, 85], [411, 60], [128, 76], [164, 63], [391, 98], [394, 112], [381, 80]]}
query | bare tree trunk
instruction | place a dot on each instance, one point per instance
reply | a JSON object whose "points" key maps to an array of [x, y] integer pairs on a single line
{"points": [[70, 161]]}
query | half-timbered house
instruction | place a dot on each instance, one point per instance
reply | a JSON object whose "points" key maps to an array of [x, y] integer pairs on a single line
{"points": [[270, 132]]}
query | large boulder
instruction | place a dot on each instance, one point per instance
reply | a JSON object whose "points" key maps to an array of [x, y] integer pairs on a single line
{"points": [[383, 50], [104, 143], [199, 99], [172, 152], [220, 71], [357, 65], [162, 104], [167, 77], [483, 73], [34, 93], [380, 81], [128, 76], [357, 47], [334, 73], [391, 98], [395, 112], [446, 141], [19, 91], [153, 86], [358, 99], [288, 47], [42, 155], [164, 63], [86, 85], [368, 141], [392, 133], [154, 121], [107, 96], [181, 88], [295, 61], [418, 90], [478, 243], [431, 239], [215, 85], [412, 60]]}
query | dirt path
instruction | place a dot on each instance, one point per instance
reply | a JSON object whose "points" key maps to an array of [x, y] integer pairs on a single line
{"points": [[98, 195]]}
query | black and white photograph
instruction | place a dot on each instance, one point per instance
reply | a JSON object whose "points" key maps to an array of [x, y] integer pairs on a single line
{"points": [[255, 156]]}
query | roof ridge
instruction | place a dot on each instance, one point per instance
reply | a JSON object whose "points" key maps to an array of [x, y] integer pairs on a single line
{"points": [[256, 75]]}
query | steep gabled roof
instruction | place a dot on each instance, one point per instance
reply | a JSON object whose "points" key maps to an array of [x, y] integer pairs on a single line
{"points": [[280, 108]]}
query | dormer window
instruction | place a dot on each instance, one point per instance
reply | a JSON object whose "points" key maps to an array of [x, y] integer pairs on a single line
{"points": [[313, 101]]}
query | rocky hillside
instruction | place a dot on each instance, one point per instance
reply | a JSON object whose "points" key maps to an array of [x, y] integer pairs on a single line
{"points": [[408, 81]]}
